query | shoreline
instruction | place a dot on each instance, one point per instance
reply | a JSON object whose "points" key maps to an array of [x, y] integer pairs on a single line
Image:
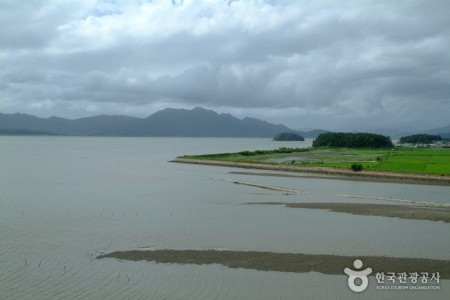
{"points": [[367, 175]]}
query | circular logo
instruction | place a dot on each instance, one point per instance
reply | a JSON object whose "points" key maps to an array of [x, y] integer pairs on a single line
{"points": [[354, 275]]}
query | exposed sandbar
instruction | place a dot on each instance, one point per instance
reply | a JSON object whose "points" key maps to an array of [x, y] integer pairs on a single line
{"points": [[285, 262], [385, 210], [342, 173]]}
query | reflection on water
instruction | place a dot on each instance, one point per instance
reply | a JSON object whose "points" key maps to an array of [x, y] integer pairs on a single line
{"points": [[65, 200]]}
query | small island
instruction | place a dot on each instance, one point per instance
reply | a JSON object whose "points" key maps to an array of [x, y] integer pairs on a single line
{"points": [[288, 136]]}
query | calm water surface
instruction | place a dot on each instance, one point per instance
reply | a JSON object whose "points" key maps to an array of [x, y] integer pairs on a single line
{"points": [[64, 200]]}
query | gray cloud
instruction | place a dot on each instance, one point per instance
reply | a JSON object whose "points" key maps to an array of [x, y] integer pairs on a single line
{"points": [[328, 64]]}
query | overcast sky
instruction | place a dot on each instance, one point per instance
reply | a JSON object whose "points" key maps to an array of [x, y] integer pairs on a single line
{"points": [[306, 64]]}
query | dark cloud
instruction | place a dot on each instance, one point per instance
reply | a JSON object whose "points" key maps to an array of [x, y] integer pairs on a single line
{"points": [[328, 64]]}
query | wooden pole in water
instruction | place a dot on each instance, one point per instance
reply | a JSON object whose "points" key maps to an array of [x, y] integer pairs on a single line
{"points": [[269, 187]]}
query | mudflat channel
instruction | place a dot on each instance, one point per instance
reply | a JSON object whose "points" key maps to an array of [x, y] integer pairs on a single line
{"points": [[303, 263]]}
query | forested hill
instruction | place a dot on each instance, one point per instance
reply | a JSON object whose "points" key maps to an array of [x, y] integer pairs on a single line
{"points": [[352, 140]]}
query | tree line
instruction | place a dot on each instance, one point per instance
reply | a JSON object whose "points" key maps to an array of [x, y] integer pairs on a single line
{"points": [[420, 139], [352, 140]]}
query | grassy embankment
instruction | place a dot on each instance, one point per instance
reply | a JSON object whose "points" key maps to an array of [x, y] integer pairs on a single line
{"points": [[405, 160]]}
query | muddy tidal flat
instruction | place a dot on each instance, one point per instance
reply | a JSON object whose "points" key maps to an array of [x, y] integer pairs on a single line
{"points": [[384, 210], [283, 262]]}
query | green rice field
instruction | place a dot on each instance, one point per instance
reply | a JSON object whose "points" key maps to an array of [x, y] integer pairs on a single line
{"points": [[401, 159]]}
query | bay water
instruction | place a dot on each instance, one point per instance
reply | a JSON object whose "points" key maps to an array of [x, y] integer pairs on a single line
{"points": [[66, 200]]}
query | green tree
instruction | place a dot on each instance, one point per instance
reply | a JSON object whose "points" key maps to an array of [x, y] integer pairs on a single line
{"points": [[420, 139], [352, 140]]}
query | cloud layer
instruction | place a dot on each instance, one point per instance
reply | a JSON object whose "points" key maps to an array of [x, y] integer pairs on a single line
{"points": [[329, 64]]}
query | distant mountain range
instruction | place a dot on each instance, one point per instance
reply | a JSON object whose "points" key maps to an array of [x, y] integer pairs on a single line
{"points": [[198, 122], [442, 131]]}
